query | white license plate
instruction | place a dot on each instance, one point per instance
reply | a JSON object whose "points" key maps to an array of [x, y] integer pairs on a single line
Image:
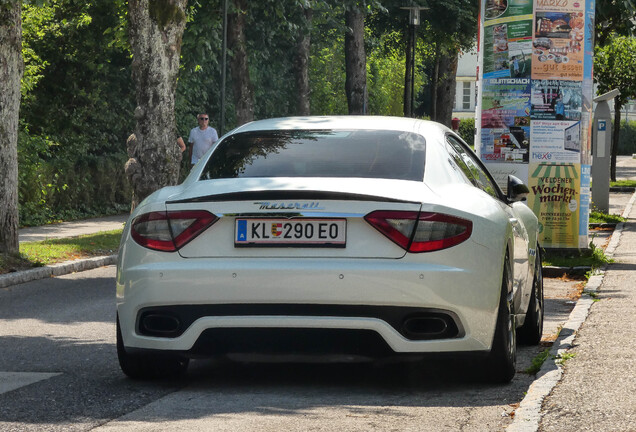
{"points": [[290, 232]]}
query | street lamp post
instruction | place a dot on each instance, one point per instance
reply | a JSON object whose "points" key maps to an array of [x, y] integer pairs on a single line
{"points": [[414, 22]]}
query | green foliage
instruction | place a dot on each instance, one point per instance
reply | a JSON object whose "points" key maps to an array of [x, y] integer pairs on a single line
{"points": [[624, 183], [76, 112], [614, 17], [593, 257], [627, 139], [327, 74], [599, 217], [537, 362], [615, 67], [65, 249], [467, 130]]}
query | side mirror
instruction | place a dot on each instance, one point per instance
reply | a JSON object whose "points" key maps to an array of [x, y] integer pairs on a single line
{"points": [[517, 190]]}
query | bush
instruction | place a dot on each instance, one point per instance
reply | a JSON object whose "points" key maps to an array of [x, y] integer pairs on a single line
{"points": [[54, 183], [627, 138], [467, 131]]}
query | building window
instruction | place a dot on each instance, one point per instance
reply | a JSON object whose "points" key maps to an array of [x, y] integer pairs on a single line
{"points": [[466, 95]]}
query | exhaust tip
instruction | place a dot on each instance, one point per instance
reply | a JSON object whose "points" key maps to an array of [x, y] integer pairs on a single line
{"points": [[429, 327], [154, 324]]}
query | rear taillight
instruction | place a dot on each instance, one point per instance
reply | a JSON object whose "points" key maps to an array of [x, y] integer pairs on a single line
{"points": [[170, 231], [421, 232]]}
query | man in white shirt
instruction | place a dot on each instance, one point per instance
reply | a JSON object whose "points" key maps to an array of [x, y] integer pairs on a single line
{"points": [[201, 138]]}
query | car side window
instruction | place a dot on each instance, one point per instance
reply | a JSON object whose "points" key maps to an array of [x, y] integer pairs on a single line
{"points": [[470, 167]]}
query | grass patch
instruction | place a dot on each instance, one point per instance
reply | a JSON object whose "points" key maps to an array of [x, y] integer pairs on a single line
{"points": [[37, 254], [599, 217], [562, 358], [623, 183], [537, 362], [594, 257]]}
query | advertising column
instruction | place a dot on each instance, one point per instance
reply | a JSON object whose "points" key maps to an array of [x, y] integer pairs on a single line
{"points": [[503, 115], [535, 108]]}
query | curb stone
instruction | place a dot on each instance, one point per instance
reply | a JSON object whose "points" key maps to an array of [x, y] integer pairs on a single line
{"points": [[59, 269], [528, 415]]}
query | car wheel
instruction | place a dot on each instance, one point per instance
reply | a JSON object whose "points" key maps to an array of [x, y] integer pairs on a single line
{"points": [[502, 361], [532, 330], [146, 366]]}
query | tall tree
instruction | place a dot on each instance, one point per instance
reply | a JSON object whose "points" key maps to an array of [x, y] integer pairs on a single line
{"points": [[301, 65], [11, 68], [241, 83], [448, 27], [615, 68], [156, 30], [355, 58], [444, 85]]}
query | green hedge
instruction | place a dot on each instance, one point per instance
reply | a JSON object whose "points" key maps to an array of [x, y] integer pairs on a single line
{"points": [[627, 138], [467, 131], [54, 183]]}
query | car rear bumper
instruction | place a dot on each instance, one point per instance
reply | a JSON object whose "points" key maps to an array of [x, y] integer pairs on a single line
{"points": [[225, 297]]}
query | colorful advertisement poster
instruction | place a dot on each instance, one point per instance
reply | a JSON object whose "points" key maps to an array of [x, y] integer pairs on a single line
{"points": [[505, 120], [556, 100], [555, 199], [508, 51], [555, 141], [498, 10], [558, 42]]}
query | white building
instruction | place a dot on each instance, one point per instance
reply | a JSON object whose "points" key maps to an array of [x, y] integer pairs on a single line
{"points": [[466, 91]]}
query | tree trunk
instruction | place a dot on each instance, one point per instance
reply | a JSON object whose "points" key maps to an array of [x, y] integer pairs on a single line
{"points": [[241, 84], [615, 135], [301, 68], [434, 87], [156, 30], [408, 73], [355, 61], [445, 88], [11, 67]]}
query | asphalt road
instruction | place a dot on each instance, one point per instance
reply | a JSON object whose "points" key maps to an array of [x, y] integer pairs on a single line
{"points": [[59, 371]]}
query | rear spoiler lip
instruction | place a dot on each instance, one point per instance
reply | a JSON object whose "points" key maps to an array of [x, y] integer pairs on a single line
{"points": [[289, 195]]}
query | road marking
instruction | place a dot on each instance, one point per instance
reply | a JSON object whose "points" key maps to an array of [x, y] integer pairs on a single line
{"points": [[14, 380]]}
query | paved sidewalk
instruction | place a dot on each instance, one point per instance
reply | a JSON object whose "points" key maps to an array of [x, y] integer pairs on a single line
{"points": [[72, 229], [598, 389]]}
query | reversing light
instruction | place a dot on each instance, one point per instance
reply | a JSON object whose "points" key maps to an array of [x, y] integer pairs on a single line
{"points": [[421, 232], [170, 231]]}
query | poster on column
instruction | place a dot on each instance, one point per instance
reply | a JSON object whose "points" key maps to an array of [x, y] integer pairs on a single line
{"points": [[555, 199], [556, 100], [507, 38], [505, 120], [555, 141], [558, 42]]}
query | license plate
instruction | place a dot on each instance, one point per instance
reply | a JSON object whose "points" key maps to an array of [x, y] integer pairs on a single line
{"points": [[290, 232]]}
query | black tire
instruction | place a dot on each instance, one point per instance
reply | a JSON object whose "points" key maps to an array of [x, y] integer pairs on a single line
{"points": [[501, 363], [532, 330], [145, 366]]}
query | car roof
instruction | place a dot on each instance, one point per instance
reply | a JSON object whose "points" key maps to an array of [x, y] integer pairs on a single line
{"points": [[424, 127]]}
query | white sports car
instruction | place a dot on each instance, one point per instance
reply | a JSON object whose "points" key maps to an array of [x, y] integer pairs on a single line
{"points": [[356, 236]]}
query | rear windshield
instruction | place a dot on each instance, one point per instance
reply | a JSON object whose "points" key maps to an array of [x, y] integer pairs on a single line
{"points": [[292, 153]]}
